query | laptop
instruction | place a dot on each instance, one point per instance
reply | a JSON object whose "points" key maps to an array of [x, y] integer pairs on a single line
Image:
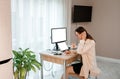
{"points": [[63, 46]]}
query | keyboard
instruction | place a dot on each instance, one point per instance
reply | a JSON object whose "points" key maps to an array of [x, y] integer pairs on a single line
{"points": [[56, 52]]}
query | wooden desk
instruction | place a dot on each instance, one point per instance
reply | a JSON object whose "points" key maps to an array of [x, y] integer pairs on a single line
{"points": [[59, 59]]}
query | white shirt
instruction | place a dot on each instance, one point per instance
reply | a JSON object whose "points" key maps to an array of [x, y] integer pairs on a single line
{"points": [[87, 50]]}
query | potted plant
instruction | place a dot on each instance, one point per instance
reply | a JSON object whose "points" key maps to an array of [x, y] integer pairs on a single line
{"points": [[23, 62]]}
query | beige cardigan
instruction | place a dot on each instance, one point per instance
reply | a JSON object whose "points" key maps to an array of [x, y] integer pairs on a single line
{"points": [[87, 50]]}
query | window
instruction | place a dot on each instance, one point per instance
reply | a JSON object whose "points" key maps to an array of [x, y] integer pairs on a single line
{"points": [[32, 21]]}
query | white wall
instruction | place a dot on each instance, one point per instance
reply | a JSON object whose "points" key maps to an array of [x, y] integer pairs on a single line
{"points": [[75, 25], [105, 26], [6, 71]]}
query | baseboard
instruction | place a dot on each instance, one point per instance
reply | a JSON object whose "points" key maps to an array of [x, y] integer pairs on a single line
{"points": [[109, 59]]}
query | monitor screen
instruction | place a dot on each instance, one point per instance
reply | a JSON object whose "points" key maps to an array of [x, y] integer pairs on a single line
{"points": [[58, 35]]}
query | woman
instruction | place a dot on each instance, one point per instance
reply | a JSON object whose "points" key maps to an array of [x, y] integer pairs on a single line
{"points": [[86, 48]]}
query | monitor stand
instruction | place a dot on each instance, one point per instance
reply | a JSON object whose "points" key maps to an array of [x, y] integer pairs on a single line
{"points": [[56, 48]]}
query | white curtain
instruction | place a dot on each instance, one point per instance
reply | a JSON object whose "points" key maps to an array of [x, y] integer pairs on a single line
{"points": [[32, 21]]}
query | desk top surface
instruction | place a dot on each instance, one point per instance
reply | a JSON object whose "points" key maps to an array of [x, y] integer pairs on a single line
{"points": [[62, 56]]}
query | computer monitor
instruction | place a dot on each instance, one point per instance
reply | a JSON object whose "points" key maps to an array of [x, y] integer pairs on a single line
{"points": [[58, 35]]}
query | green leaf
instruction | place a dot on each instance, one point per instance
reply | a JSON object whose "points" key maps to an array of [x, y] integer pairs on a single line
{"points": [[33, 68], [37, 64]]}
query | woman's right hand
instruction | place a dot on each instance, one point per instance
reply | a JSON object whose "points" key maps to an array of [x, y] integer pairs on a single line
{"points": [[67, 52], [73, 45]]}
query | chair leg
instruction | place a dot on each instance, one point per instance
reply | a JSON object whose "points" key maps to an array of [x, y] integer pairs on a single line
{"points": [[95, 77], [89, 77]]}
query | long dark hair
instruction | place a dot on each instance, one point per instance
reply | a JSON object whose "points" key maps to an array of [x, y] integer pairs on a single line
{"points": [[81, 29]]}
